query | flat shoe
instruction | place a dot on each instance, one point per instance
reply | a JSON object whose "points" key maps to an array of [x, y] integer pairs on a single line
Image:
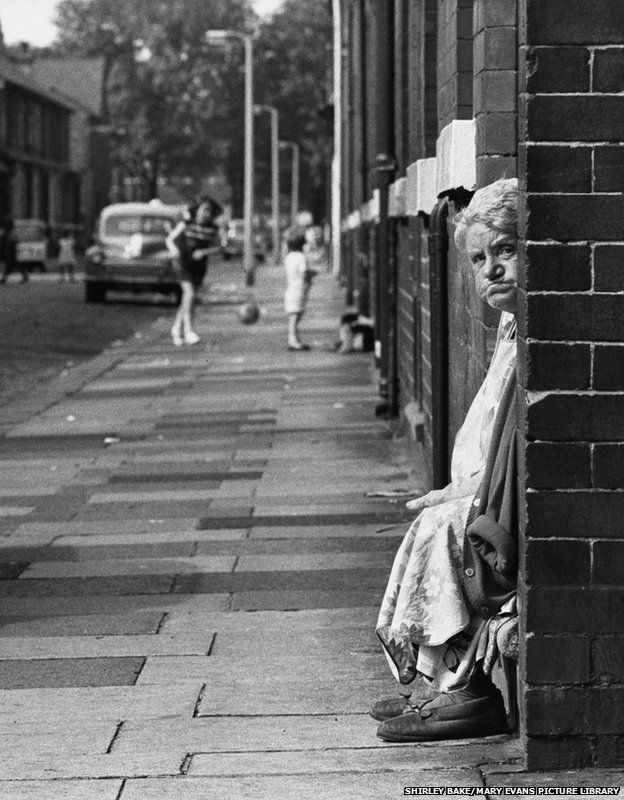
{"points": [[389, 708], [191, 338], [299, 347], [176, 337], [483, 716]]}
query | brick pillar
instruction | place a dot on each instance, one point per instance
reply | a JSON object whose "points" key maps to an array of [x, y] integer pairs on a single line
{"points": [[495, 88], [571, 163]]}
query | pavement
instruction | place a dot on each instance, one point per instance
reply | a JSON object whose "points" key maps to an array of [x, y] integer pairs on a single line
{"points": [[191, 569], [46, 328]]}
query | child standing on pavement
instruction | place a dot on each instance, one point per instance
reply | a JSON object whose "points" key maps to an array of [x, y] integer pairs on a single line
{"points": [[298, 282], [66, 256]]}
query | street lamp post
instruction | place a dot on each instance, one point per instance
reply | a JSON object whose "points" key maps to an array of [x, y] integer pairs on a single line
{"points": [[294, 198], [248, 251], [274, 175]]}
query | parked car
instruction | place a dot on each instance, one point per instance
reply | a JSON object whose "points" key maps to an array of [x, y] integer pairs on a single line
{"points": [[234, 238], [32, 243], [129, 252]]}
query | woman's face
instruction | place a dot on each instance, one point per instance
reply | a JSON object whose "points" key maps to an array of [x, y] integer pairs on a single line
{"points": [[494, 259]]}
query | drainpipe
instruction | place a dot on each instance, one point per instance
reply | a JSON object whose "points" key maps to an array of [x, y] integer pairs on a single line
{"points": [[438, 296], [336, 196], [385, 167]]}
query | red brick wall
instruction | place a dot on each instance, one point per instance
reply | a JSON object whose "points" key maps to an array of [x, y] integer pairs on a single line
{"points": [[495, 88], [572, 332], [454, 78], [416, 131], [404, 254]]}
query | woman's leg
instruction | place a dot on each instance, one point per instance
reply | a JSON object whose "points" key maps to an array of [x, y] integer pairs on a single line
{"points": [[293, 330], [182, 320], [187, 306]]}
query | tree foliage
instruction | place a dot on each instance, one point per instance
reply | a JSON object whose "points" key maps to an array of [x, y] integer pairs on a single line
{"points": [[176, 102], [294, 74]]}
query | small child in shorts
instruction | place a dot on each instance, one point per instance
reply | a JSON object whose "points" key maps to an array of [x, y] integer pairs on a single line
{"points": [[298, 281]]}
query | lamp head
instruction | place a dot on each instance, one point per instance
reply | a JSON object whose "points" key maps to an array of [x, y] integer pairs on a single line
{"points": [[218, 36]]}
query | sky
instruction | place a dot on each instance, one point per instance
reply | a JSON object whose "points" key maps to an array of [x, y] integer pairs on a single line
{"points": [[31, 20]]}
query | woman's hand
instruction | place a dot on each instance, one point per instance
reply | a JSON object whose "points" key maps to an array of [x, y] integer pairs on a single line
{"points": [[432, 498]]}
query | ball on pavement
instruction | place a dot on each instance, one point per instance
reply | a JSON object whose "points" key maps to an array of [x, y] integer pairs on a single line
{"points": [[249, 313]]}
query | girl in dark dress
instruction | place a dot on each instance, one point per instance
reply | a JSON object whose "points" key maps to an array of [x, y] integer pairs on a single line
{"points": [[190, 243]]}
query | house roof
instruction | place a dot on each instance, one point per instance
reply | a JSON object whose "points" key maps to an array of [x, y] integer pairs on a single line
{"points": [[11, 72], [78, 78]]}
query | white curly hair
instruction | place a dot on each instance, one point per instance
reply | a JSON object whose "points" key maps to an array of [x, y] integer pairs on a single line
{"points": [[495, 205]]}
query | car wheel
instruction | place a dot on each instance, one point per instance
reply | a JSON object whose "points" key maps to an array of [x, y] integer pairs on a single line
{"points": [[226, 256], [95, 292]]}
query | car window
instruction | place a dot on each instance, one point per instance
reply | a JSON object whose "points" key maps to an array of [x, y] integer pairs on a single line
{"points": [[122, 226]]}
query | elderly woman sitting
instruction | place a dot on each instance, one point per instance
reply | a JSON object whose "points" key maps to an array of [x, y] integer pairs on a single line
{"points": [[456, 568]]}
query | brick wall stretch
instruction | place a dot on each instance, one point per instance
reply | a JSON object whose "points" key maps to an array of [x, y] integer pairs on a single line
{"points": [[570, 162]]}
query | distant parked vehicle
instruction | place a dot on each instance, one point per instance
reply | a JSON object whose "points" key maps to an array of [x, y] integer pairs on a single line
{"points": [[129, 253], [32, 243]]}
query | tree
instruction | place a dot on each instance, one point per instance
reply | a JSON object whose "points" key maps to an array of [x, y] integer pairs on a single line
{"points": [[164, 88], [293, 73], [176, 103]]}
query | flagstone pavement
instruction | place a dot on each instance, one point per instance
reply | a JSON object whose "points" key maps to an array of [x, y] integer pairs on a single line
{"points": [[190, 572]]}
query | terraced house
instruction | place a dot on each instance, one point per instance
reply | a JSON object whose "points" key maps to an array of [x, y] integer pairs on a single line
{"points": [[437, 98], [37, 177]]}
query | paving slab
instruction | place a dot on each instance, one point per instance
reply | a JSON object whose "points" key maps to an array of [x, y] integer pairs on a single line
{"points": [[364, 760], [54, 766], [86, 551], [151, 524], [50, 708], [284, 624], [76, 587], [308, 695], [129, 566], [141, 622], [150, 538], [333, 641], [279, 562], [155, 495], [357, 532], [51, 606], [111, 646], [127, 510], [15, 511], [300, 545], [301, 517], [220, 734], [327, 786], [61, 790], [222, 673], [360, 578], [61, 672], [295, 599], [18, 493], [164, 483]]}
